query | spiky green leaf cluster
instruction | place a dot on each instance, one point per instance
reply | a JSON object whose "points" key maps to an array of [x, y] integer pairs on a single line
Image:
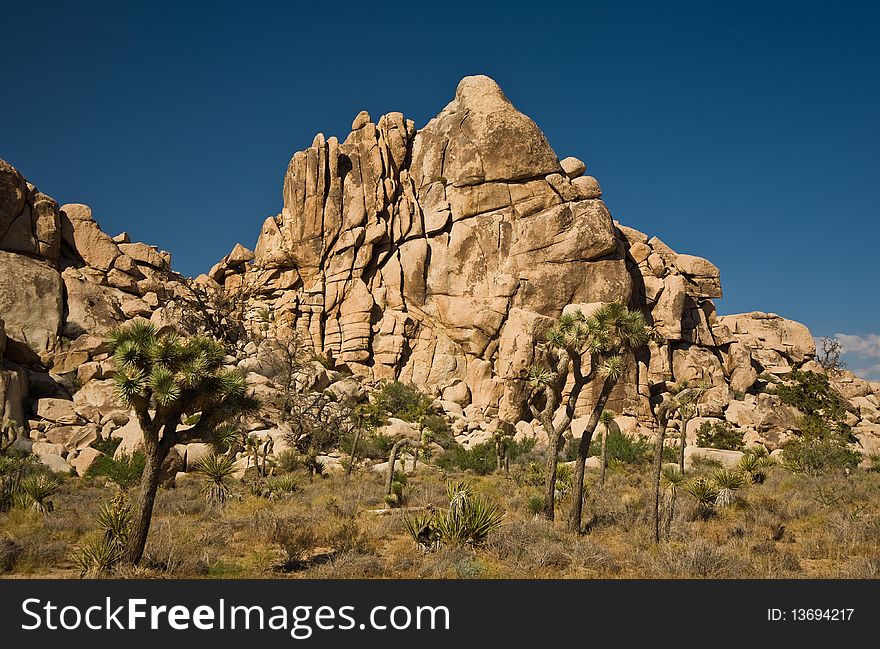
{"points": [[671, 478], [468, 521], [216, 469], [176, 373], [609, 330]]}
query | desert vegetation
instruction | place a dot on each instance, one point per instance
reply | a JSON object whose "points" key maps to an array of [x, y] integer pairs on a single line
{"points": [[786, 525]]}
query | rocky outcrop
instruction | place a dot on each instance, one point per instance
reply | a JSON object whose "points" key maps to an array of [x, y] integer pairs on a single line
{"points": [[437, 256]]}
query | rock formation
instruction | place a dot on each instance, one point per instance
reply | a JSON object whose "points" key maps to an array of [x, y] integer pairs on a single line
{"points": [[436, 256]]}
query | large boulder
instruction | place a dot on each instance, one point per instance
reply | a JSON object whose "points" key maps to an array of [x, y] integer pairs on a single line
{"points": [[81, 232], [85, 459], [727, 459], [59, 411], [31, 304]]}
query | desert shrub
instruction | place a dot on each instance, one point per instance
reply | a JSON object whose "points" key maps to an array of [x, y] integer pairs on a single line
{"points": [[439, 430], [536, 504], [815, 454], [373, 445], [107, 446], [400, 400], [720, 434], [14, 468], [623, 449], [295, 539], [125, 472], [812, 394], [348, 537], [275, 487], [698, 559], [480, 458], [288, 461]]}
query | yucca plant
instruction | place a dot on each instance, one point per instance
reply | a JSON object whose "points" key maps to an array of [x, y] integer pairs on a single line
{"points": [[283, 485], [115, 519], [10, 490], [216, 469], [756, 466], [35, 491], [607, 421], [97, 556], [468, 521], [728, 483], [705, 492], [671, 479], [165, 379], [564, 478], [101, 554], [423, 530]]}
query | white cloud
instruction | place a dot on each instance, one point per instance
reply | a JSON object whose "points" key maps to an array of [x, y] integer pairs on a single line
{"points": [[871, 373], [867, 346]]}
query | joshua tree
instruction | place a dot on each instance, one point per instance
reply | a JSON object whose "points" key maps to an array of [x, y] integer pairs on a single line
{"points": [[392, 459], [562, 353], [686, 405], [613, 332], [163, 378], [502, 439], [672, 401], [607, 421]]}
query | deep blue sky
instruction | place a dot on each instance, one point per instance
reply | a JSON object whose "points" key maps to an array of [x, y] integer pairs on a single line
{"points": [[746, 132]]}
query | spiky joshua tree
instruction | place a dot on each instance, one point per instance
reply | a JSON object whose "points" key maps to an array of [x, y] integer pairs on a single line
{"points": [[613, 333], [162, 379]]}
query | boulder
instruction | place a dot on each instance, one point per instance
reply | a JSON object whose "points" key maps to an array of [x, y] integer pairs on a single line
{"points": [[728, 459], [59, 411], [95, 247], [195, 452], [41, 449], [85, 459], [55, 463], [397, 428], [132, 439], [573, 167], [100, 395], [31, 303]]}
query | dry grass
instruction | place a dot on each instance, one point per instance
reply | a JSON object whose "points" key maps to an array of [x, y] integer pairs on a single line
{"points": [[791, 526]]}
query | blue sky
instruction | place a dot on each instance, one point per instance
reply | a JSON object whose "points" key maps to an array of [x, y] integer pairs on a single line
{"points": [[746, 132]]}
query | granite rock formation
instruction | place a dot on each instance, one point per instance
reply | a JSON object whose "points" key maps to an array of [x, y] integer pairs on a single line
{"points": [[437, 256]]}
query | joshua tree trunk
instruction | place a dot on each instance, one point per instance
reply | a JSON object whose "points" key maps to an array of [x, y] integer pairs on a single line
{"points": [[604, 459], [140, 527], [392, 458], [354, 446], [684, 427], [577, 499], [553, 450], [658, 468], [669, 514]]}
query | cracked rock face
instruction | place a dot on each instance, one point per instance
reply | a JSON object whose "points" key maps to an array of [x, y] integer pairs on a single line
{"points": [[410, 249]]}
